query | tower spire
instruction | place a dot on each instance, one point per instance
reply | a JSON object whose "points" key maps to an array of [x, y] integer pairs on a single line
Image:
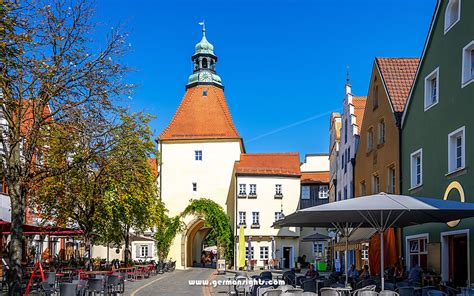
{"points": [[203, 28], [348, 76]]}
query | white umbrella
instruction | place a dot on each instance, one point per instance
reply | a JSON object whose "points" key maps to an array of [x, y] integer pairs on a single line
{"points": [[211, 249], [380, 211]]}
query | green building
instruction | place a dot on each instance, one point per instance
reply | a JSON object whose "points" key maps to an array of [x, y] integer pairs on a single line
{"points": [[437, 144]]}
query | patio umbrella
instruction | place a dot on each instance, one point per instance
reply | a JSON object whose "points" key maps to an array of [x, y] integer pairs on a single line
{"points": [[241, 247], [380, 211], [249, 256]]}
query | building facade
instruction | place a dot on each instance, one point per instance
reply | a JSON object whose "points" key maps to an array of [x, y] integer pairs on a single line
{"points": [[351, 122], [314, 192], [267, 188], [437, 142], [334, 138], [197, 151], [377, 166]]}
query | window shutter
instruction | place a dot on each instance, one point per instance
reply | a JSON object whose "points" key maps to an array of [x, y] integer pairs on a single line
{"points": [[137, 251], [150, 250]]}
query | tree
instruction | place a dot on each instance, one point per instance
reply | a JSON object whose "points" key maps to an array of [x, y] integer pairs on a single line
{"points": [[57, 87], [218, 220]]}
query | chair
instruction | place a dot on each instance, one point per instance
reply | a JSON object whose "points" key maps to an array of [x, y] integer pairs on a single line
{"points": [[309, 294], [95, 286], [48, 290], [81, 287], [388, 293], [436, 293], [406, 291], [50, 278], [426, 289], [241, 286], [266, 275], [112, 284], [272, 292], [309, 286], [367, 293], [390, 286], [293, 292], [289, 277], [330, 292], [68, 289]]}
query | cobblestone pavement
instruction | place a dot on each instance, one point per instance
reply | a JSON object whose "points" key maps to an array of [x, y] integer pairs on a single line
{"points": [[172, 283]]}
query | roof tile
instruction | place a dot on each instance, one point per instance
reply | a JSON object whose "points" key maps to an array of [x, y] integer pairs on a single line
{"points": [[284, 164], [315, 177]]}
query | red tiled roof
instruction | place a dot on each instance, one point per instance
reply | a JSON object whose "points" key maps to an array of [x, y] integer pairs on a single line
{"points": [[284, 164], [398, 74], [153, 163], [359, 108], [315, 177], [201, 117]]}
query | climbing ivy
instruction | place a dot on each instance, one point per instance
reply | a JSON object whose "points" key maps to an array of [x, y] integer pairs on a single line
{"points": [[218, 220]]}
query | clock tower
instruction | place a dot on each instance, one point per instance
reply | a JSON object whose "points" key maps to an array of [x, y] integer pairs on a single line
{"points": [[204, 61]]}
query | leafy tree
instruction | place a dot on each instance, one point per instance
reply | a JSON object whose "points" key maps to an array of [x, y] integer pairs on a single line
{"points": [[218, 220], [57, 87]]}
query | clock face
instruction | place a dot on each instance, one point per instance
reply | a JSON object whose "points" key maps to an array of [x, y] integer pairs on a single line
{"points": [[205, 76]]}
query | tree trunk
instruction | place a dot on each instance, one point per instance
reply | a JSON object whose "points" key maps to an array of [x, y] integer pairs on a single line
{"points": [[17, 199], [127, 244]]}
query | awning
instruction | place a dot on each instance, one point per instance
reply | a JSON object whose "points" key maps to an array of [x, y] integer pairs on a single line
{"points": [[356, 240], [316, 237], [5, 229]]}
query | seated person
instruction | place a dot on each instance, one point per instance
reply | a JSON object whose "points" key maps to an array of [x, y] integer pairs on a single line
{"points": [[414, 276], [365, 274], [353, 272], [399, 271], [311, 273]]}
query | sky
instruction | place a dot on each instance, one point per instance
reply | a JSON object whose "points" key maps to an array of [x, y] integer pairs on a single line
{"points": [[282, 62]]}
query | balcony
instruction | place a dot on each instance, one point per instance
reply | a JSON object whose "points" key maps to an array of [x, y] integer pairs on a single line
{"points": [[278, 195], [242, 195], [255, 225], [252, 195]]}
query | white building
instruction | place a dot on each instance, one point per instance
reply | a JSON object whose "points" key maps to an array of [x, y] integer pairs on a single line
{"points": [[334, 138], [351, 118], [267, 188]]}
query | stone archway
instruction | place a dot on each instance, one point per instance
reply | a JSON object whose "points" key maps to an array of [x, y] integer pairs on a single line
{"points": [[195, 233]]}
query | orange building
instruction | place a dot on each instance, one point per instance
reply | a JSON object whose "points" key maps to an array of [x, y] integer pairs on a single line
{"points": [[377, 166]]}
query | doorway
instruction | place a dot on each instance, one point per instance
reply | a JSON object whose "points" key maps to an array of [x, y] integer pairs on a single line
{"points": [[287, 257], [455, 257]]}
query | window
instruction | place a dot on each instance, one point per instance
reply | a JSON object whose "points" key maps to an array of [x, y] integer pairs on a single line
{"points": [[264, 253], [375, 96], [195, 186], [323, 191], [416, 167], [278, 189], [370, 140], [375, 184], [345, 192], [418, 252], [432, 89], [242, 218], [305, 192], [391, 181], [345, 131], [363, 190], [253, 189], [247, 252], [143, 251], [204, 93], [255, 218], [348, 154], [468, 64], [342, 162], [339, 195], [381, 132], [198, 155], [242, 189], [456, 150], [452, 14], [318, 249], [279, 216], [365, 251]]}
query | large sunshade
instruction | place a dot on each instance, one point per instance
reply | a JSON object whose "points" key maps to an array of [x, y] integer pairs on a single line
{"points": [[380, 211]]}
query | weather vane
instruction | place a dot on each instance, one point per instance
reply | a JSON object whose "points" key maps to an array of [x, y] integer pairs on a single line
{"points": [[203, 25]]}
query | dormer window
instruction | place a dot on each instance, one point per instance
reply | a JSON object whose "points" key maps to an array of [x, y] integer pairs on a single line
{"points": [[204, 93], [452, 14]]}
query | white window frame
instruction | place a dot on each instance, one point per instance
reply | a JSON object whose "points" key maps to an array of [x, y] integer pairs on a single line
{"points": [[255, 218], [242, 189], [278, 189], [467, 76], [323, 192], [279, 216], [375, 189], [252, 252], [144, 251], [254, 191], [305, 189], [428, 97], [448, 26], [413, 183], [242, 218], [198, 155], [452, 149], [407, 246], [264, 253], [391, 179]]}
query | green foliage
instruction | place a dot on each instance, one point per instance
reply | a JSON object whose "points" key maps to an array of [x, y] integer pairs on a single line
{"points": [[165, 232], [218, 220]]}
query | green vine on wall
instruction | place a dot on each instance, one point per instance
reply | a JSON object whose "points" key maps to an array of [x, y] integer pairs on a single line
{"points": [[217, 219]]}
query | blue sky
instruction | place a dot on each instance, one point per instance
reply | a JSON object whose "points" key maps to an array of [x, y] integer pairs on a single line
{"points": [[283, 63]]}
